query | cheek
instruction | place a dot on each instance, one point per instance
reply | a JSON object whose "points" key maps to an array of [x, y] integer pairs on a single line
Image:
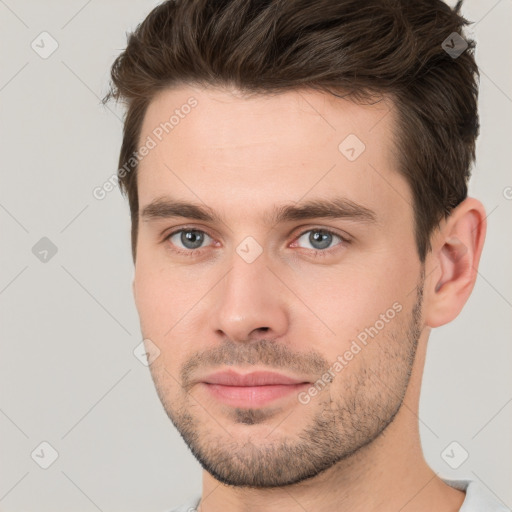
{"points": [[159, 310], [152, 294], [164, 296], [353, 297]]}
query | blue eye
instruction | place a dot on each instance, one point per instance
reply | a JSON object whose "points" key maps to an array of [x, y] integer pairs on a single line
{"points": [[190, 238], [189, 241], [319, 239]]}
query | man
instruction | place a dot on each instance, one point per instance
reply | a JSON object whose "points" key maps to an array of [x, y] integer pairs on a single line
{"points": [[297, 177]]}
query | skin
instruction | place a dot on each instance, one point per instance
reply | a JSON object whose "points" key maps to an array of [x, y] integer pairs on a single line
{"points": [[355, 445]]}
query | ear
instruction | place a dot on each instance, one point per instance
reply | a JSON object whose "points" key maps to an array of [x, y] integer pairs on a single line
{"points": [[453, 262]]}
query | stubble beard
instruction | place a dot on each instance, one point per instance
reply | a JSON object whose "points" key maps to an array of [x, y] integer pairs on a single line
{"points": [[347, 417]]}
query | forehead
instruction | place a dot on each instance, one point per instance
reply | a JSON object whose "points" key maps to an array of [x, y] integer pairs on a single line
{"points": [[227, 119], [217, 145]]}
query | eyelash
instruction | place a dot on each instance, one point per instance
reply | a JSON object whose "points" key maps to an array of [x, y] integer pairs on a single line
{"points": [[315, 252]]}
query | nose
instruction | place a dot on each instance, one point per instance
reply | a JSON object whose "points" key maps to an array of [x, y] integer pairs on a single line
{"points": [[250, 303]]}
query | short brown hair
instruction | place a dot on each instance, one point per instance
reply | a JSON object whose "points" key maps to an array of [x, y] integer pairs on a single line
{"points": [[359, 49]]}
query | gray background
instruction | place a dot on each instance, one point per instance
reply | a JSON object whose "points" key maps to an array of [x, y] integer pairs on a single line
{"points": [[68, 375]]}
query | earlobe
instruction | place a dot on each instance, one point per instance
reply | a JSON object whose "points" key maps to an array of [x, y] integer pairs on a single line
{"points": [[455, 258]]}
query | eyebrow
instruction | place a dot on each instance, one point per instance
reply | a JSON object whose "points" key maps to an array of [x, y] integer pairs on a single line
{"points": [[334, 208]]}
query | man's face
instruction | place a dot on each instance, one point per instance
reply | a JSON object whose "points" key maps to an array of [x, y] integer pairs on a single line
{"points": [[332, 303]]}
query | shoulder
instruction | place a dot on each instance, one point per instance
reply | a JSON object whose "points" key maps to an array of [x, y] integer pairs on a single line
{"points": [[188, 507], [191, 506], [478, 497]]}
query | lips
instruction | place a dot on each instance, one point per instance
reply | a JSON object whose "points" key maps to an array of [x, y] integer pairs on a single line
{"points": [[251, 390], [230, 378]]}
